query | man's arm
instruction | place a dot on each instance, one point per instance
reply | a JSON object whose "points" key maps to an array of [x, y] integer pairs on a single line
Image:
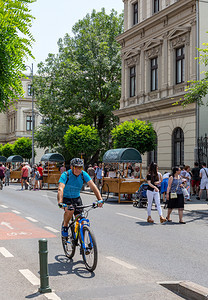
{"points": [[60, 192]]}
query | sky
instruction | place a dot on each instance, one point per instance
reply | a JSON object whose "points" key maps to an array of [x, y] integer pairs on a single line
{"points": [[55, 18]]}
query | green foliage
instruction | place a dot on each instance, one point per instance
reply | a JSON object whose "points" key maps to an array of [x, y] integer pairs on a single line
{"points": [[82, 139], [197, 90], [1, 147], [81, 84], [15, 43], [23, 147], [134, 134], [7, 150]]}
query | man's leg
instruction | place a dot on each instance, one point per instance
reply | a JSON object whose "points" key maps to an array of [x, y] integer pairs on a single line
{"points": [[67, 216]]}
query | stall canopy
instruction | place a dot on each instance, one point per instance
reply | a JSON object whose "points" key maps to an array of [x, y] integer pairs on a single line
{"points": [[14, 159], [3, 159], [56, 157], [122, 155]]}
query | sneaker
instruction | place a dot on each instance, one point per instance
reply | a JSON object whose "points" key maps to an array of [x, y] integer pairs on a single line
{"points": [[64, 231], [197, 198]]}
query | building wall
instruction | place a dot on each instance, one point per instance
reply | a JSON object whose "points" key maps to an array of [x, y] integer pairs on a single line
{"points": [[159, 35], [13, 122]]}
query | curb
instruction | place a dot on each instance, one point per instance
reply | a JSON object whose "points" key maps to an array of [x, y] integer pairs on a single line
{"points": [[187, 289]]}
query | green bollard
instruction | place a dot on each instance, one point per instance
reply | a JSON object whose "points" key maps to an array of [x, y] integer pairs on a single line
{"points": [[43, 256]]}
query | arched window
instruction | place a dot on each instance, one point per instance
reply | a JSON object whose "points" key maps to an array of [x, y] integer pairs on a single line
{"points": [[152, 155], [177, 147]]}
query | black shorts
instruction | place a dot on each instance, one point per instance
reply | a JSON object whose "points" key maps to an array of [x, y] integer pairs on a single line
{"points": [[76, 201], [40, 178], [24, 178]]}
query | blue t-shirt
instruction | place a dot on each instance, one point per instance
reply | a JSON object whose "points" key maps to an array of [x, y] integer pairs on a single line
{"points": [[73, 187]]}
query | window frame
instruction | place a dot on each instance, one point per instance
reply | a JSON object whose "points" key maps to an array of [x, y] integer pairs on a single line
{"points": [[154, 71], [132, 91], [29, 123], [135, 13], [177, 147], [180, 59]]}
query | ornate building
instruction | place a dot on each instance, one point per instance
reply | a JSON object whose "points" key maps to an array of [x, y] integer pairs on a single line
{"points": [[158, 59], [17, 121]]}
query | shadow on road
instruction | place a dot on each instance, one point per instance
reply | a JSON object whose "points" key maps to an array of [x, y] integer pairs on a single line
{"points": [[65, 266]]}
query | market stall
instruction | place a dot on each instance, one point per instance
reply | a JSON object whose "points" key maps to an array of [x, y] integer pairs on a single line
{"points": [[3, 159], [16, 161], [51, 172], [121, 184]]}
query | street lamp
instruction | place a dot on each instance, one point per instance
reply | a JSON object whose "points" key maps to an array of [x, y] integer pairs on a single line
{"points": [[31, 76]]}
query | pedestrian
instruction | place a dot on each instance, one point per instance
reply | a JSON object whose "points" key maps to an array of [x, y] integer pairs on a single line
{"points": [[174, 195], [62, 169], [7, 175], [40, 179], [195, 179], [2, 174], [154, 179], [204, 180], [187, 177], [24, 176], [99, 175], [36, 177], [164, 185], [91, 172]]}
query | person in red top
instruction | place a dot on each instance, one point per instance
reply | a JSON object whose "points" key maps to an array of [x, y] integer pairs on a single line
{"points": [[24, 176], [40, 170], [2, 172]]}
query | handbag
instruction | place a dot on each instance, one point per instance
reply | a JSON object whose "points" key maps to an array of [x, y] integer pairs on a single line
{"points": [[185, 192], [173, 195]]}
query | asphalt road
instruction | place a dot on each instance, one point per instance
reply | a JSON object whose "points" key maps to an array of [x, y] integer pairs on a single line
{"points": [[133, 255]]}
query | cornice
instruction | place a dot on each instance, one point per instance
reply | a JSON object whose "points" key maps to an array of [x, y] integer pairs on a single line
{"points": [[155, 19]]}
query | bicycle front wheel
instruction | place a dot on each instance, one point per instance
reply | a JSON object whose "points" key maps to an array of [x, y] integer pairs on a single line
{"points": [[89, 254], [68, 243]]}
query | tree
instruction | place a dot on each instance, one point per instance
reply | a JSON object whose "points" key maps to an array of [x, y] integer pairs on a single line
{"points": [[1, 146], [15, 44], [81, 83], [134, 134], [198, 89], [23, 147], [7, 150], [82, 139]]}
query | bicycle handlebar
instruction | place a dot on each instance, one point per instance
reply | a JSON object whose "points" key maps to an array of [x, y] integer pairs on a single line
{"points": [[74, 206]]}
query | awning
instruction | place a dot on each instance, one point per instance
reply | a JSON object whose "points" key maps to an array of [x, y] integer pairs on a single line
{"points": [[3, 159], [122, 155], [14, 159], [56, 157]]}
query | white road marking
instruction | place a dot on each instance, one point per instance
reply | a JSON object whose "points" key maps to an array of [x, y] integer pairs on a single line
{"points": [[132, 217], [30, 276], [4, 206], [31, 219], [16, 212], [5, 252], [7, 225], [121, 262], [51, 229], [52, 296]]}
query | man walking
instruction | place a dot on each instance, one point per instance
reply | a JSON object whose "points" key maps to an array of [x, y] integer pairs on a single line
{"points": [[24, 176], [204, 180], [99, 173]]}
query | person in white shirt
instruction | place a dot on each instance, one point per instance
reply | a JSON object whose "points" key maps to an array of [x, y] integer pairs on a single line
{"points": [[204, 180]]}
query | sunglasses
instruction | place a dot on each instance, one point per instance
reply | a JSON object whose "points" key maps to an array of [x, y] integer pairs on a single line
{"points": [[79, 168]]}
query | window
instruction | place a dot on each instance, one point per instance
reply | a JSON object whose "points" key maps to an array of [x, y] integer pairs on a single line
{"points": [[154, 74], [135, 13], [29, 90], [180, 65], [178, 147], [152, 155], [156, 6], [29, 123], [132, 81]]}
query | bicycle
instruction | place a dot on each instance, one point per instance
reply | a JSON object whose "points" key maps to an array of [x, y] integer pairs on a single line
{"points": [[80, 234]]}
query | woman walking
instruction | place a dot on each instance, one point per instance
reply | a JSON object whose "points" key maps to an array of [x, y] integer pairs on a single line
{"points": [[154, 179], [175, 195]]}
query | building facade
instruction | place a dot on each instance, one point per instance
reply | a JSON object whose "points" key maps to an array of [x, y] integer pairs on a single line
{"points": [[158, 59], [17, 121]]}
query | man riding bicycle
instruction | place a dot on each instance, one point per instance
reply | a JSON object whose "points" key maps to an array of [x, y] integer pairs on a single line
{"points": [[70, 184]]}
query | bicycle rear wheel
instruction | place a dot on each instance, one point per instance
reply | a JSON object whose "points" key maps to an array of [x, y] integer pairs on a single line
{"points": [[68, 243], [89, 254]]}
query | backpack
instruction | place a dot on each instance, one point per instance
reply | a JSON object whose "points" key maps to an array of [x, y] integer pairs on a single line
{"points": [[67, 173], [37, 174]]}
